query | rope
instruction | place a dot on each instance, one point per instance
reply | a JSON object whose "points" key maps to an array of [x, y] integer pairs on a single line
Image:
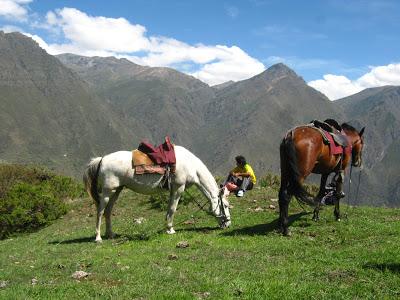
{"points": [[358, 186], [201, 207]]}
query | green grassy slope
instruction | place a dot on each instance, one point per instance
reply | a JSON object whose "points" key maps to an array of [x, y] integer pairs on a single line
{"points": [[357, 258]]}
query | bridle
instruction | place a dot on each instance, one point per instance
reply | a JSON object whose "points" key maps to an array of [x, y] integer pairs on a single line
{"points": [[222, 214]]}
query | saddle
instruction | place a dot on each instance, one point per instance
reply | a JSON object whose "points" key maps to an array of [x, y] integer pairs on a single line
{"points": [[332, 135], [142, 164], [150, 159], [334, 129]]}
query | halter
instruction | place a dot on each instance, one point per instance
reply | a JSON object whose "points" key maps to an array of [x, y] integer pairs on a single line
{"points": [[212, 212]]}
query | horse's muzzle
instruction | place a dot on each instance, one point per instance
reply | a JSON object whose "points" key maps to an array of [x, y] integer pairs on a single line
{"points": [[224, 223]]}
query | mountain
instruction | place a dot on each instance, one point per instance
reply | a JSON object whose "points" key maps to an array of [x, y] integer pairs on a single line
{"points": [[59, 111], [152, 102], [378, 109], [223, 85], [48, 115], [250, 117]]}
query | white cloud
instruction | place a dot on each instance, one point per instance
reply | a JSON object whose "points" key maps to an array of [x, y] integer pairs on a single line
{"points": [[98, 33], [14, 9], [233, 64], [232, 11], [10, 28], [92, 35], [336, 87]]}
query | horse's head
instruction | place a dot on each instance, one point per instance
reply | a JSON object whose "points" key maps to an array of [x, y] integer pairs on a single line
{"points": [[222, 209], [357, 143]]}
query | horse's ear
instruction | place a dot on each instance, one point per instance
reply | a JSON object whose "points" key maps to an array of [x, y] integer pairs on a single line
{"points": [[361, 132]]}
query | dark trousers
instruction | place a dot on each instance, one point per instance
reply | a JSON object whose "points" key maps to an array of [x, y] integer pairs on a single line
{"points": [[243, 183]]}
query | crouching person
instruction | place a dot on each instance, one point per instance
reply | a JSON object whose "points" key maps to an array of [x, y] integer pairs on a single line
{"points": [[241, 178]]}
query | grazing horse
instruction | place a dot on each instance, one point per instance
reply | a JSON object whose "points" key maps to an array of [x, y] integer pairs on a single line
{"points": [[303, 152], [114, 171]]}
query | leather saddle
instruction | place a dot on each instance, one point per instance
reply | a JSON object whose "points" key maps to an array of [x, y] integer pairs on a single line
{"points": [[334, 129], [142, 164]]}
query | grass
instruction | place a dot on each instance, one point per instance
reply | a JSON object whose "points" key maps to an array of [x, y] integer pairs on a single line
{"points": [[357, 258]]}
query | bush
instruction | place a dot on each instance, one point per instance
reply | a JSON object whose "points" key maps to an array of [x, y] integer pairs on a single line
{"points": [[28, 207], [32, 197], [270, 180]]}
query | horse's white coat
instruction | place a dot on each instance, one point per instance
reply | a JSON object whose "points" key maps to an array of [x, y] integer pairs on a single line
{"points": [[116, 172]]}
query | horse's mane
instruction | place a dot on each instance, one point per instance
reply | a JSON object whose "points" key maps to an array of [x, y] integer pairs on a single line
{"points": [[348, 127]]}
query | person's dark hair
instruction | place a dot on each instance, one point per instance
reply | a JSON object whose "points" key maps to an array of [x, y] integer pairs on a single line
{"points": [[241, 160]]}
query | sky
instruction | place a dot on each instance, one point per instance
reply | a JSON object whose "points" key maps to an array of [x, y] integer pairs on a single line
{"points": [[339, 47]]}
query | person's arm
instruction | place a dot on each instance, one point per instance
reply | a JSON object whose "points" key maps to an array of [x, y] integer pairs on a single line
{"points": [[242, 174]]}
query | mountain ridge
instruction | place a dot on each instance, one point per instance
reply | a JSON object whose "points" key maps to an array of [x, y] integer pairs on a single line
{"points": [[62, 110]]}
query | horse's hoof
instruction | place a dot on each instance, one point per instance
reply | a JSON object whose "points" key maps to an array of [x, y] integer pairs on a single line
{"points": [[170, 231], [98, 241], [338, 220], [110, 236], [315, 219]]}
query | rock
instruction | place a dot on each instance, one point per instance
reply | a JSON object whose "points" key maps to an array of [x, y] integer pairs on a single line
{"points": [[182, 244], [3, 284], [189, 222], [172, 257], [80, 274], [139, 220], [202, 295]]}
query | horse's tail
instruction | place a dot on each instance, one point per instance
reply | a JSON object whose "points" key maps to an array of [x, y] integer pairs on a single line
{"points": [[90, 178], [291, 171]]}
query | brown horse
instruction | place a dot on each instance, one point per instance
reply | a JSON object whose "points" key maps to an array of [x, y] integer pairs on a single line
{"points": [[303, 152]]}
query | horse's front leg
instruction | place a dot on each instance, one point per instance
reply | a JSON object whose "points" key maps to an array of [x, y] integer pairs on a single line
{"points": [[337, 210], [339, 185], [318, 199], [339, 194], [175, 195]]}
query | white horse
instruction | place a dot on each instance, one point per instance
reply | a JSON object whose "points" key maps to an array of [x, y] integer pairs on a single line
{"points": [[114, 171]]}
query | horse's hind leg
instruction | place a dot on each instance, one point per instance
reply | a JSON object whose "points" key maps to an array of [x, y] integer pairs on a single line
{"points": [[336, 212], [284, 199], [108, 211], [175, 195], [319, 196], [104, 199]]}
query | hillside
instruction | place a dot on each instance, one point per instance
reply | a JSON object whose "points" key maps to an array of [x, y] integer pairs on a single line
{"points": [[324, 260], [252, 116], [378, 109], [60, 114], [152, 102], [48, 115]]}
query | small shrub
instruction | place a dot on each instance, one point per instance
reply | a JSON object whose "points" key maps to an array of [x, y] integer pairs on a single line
{"points": [[66, 187], [28, 207], [270, 180], [32, 197]]}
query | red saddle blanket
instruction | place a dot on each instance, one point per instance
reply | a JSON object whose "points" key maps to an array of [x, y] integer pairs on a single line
{"points": [[162, 155], [335, 148]]}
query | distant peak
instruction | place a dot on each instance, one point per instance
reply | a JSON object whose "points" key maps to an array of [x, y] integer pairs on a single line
{"points": [[278, 71], [280, 68]]}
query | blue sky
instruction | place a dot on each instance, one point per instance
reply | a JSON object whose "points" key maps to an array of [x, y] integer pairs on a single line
{"points": [[339, 47]]}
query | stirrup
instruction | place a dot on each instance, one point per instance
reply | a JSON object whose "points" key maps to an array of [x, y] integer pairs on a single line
{"points": [[340, 195]]}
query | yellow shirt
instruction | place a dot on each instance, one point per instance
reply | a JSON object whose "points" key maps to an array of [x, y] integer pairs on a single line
{"points": [[246, 169]]}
